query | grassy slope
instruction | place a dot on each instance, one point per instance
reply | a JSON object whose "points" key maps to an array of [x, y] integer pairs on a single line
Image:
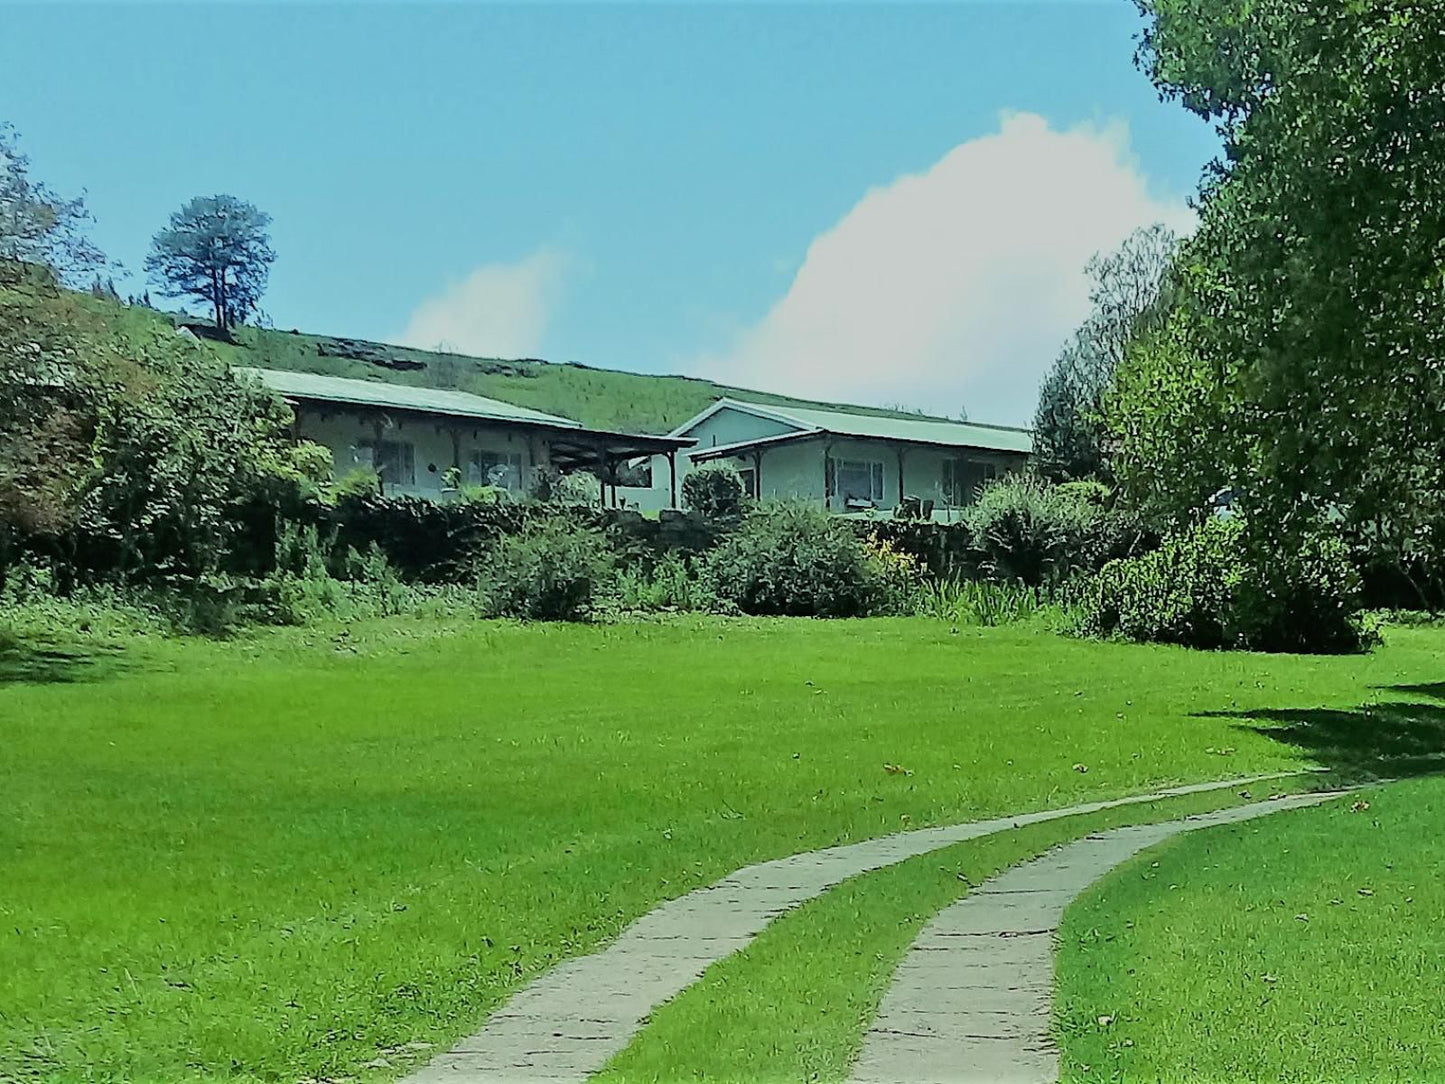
{"points": [[602, 398], [1306, 947], [277, 857]]}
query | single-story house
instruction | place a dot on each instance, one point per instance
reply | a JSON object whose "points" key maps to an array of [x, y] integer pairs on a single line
{"points": [[412, 437], [846, 461]]}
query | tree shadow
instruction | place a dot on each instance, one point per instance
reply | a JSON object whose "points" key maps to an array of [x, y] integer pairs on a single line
{"points": [[51, 664], [1385, 740]]}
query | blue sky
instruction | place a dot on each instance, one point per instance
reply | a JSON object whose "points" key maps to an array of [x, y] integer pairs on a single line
{"points": [[886, 203]]}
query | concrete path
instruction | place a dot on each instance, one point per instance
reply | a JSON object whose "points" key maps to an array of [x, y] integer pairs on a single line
{"points": [[568, 1023], [970, 1003]]}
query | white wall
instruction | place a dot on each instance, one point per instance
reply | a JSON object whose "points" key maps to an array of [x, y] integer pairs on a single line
{"points": [[728, 426], [797, 470], [431, 440]]}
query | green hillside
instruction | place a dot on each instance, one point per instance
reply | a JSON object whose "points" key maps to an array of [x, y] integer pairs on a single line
{"points": [[601, 398]]}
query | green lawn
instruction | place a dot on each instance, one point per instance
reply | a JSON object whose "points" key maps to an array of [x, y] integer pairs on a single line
{"points": [[289, 855], [1309, 946]]}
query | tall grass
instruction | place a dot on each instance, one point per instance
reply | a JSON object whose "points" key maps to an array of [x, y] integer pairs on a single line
{"points": [[980, 602]]}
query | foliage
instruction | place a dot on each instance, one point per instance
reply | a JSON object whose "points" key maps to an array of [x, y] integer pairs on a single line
{"points": [[715, 489], [1130, 296], [1313, 288], [1213, 586], [1165, 419], [979, 602], [129, 450], [1027, 530], [553, 570], [796, 560], [941, 550], [38, 226], [215, 249], [674, 583]]}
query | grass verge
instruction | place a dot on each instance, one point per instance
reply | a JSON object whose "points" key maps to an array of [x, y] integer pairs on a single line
{"points": [[794, 1005], [1304, 947]]}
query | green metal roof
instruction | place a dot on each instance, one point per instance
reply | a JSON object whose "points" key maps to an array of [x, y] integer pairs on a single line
{"points": [[913, 430], [378, 393]]}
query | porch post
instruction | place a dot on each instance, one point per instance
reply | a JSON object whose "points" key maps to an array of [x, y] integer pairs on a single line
{"points": [[672, 475]]}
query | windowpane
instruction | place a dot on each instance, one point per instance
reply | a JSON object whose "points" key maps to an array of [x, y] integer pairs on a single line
{"points": [[962, 479], [392, 460], [502, 470], [857, 480]]}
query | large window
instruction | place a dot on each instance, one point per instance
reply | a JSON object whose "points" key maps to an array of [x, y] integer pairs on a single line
{"points": [[393, 460], [500, 469], [855, 481], [963, 478]]}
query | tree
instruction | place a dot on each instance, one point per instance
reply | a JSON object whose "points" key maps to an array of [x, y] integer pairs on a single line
{"points": [[215, 249], [1129, 298], [1316, 283], [37, 225]]}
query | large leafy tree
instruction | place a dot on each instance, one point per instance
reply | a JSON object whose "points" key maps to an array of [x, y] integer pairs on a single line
{"points": [[1315, 287], [215, 249], [1129, 297], [39, 226]]}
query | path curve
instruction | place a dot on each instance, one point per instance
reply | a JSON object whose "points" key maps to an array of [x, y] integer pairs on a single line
{"points": [[567, 1024], [971, 1001]]}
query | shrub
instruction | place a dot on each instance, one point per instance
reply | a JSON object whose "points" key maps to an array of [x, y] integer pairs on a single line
{"points": [[1181, 593], [796, 560], [1306, 600], [551, 571], [1211, 587], [1026, 530], [1023, 530], [714, 490], [674, 583]]}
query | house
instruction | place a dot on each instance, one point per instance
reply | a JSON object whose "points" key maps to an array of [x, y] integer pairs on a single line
{"points": [[847, 461], [425, 441]]}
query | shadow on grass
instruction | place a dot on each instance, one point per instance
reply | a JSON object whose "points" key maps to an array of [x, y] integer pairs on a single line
{"points": [[50, 664], [1387, 740]]}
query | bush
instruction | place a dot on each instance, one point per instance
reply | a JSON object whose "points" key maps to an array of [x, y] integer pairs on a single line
{"points": [[673, 584], [1026, 530], [552, 570], [1023, 530], [1308, 600], [796, 560], [1210, 587], [714, 490]]}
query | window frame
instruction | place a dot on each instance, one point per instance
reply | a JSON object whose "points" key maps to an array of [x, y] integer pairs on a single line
{"points": [[477, 475], [874, 468]]}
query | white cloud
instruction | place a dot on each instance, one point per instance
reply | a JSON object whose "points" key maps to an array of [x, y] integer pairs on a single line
{"points": [[499, 310], [955, 287]]}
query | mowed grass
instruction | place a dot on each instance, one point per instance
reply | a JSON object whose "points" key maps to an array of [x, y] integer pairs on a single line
{"points": [[1304, 947], [290, 856], [795, 1004]]}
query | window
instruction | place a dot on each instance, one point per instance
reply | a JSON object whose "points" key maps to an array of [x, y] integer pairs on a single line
{"points": [[500, 469], [749, 478], [963, 478], [855, 481], [393, 461]]}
